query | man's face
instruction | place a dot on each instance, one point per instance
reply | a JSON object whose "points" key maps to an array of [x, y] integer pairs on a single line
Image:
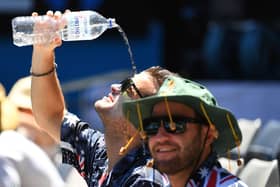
{"points": [[110, 106], [176, 152]]}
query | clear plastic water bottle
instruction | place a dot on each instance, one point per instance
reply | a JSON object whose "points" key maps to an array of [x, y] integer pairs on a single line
{"points": [[81, 25]]}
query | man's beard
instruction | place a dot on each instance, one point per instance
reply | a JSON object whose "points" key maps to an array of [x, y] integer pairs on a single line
{"points": [[174, 165], [184, 160]]}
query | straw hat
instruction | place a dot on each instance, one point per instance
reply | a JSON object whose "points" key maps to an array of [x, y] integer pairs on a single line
{"points": [[9, 118], [2, 92], [20, 93]]}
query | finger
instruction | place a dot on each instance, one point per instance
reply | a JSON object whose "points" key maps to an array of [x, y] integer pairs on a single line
{"points": [[57, 42], [57, 14], [67, 11], [34, 14], [50, 13]]}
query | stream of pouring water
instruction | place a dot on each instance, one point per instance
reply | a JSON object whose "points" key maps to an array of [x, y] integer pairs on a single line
{"points": [[133, 65]]}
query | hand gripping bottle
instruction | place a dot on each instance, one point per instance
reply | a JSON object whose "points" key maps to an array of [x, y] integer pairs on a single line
{"points": [[81, 25]]}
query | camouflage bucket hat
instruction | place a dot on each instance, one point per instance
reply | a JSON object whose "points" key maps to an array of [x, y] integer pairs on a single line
{"points": [[195, 96]]}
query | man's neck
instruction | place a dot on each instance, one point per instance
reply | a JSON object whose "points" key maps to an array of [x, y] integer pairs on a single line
{"points": [[119, 134], [179, 179]]}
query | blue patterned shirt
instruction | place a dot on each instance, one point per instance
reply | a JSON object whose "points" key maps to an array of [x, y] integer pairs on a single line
{"points": [[85, 149], [211, 174]]}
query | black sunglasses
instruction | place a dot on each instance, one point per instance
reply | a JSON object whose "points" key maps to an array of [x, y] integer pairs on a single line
{"points": [[127, 83], [151, 125]]}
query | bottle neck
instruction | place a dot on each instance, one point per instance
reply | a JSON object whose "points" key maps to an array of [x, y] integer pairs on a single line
{"points": [[112, 23]]}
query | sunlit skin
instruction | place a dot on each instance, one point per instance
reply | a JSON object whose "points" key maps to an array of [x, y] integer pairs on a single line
{"points": [[110, 106], [117, 129], [177, 154], [143, 81]]}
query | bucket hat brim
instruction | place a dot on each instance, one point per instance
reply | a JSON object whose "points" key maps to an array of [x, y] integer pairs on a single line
{"points": [[229, 134]]}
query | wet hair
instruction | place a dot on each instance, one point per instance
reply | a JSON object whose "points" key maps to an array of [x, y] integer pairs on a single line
{"points": [[160, 74]]}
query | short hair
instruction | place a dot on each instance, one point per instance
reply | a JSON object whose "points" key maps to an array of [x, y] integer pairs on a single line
{"points": [[160, 74]]}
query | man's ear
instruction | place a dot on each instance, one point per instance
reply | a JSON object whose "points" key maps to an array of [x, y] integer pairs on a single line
{"points": [[212, 134]]}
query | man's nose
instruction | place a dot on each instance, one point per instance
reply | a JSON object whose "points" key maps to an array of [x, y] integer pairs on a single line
{"points": [[162, 131], [161, 136]]}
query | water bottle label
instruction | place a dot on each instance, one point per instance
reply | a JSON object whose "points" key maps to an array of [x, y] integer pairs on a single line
{"points": [[77, 27]]}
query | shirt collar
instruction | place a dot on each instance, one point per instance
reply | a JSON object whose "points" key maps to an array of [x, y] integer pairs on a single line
{"points": [[202, 172]]}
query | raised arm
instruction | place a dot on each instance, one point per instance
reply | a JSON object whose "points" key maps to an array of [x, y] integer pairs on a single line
{"points": [[47, 98]]}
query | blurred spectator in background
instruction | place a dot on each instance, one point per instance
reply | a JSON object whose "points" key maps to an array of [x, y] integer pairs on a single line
{"points": [[8, 112], [8, 174], [20, 95], [23, 163], [8, 120]]}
